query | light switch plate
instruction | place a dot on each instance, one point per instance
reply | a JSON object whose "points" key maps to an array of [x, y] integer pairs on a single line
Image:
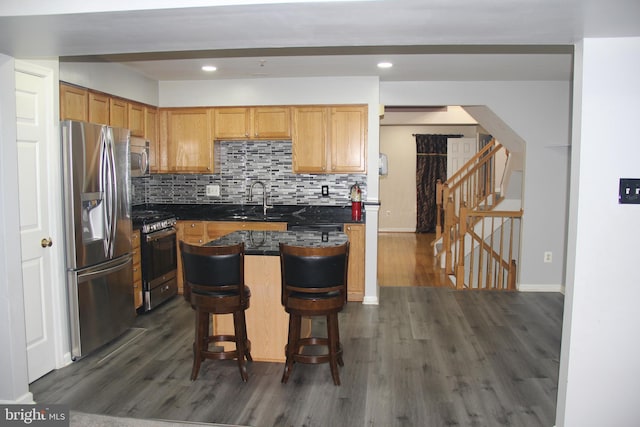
{"points": [[629, 192], [213, 190]]}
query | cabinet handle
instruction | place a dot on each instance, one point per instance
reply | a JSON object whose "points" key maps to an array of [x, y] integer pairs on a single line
{"points": [[247, 134], [192, 225]]}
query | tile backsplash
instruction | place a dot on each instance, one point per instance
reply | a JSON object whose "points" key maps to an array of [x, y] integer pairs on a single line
{"points": [[241, 164]]}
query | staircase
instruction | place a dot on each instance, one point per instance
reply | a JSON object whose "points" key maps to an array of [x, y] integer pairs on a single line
{"points": [[478, 230]]}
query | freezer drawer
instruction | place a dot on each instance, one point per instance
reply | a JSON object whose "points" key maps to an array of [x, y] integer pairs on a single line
{"points": [[101, 304]]}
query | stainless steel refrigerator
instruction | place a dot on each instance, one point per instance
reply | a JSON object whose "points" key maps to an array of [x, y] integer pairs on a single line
{"points": [[97, 213]]}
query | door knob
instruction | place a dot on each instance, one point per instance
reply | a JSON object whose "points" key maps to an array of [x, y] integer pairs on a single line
{"points": [[46, 242]]}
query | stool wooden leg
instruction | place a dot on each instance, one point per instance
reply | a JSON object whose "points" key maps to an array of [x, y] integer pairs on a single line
{"points": [[239, 328], [200, 341], [334, 337], [295, 322], [247, 342], [338, 345]]}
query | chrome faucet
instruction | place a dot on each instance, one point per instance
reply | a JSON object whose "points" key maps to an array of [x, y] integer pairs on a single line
{"points": [[264, 196]]}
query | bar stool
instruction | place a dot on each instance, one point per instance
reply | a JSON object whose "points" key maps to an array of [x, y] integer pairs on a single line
{"points": [[314, 283], [215, 276]]}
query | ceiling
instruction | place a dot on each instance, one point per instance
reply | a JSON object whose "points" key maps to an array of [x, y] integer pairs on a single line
{"points": [[425, 39]]}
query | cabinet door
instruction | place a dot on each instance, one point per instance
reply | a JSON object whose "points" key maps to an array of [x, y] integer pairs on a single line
{"points": [[151, 134], [309, 144], [118, 113], [98, 108], [136, 119], [189, 143], [73, 103], [348, 139], [232, 123], [137, 271], [272, 122], [355, 279]]}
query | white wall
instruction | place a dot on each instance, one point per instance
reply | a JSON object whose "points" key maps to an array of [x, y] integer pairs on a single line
{"points": [[114, 79], [600, 359], [398, 189], [539, 113], [13, 356]]}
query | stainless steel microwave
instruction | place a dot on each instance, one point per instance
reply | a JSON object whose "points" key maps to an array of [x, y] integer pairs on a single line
{"points": [[139, 149]]}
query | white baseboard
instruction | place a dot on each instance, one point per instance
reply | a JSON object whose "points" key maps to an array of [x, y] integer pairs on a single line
{"points": [[370, 301], [541, 288], [25, 399]]}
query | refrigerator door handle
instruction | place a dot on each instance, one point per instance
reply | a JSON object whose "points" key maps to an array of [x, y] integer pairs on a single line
{"points": [[113, 196], [104, 188], [88, 274]]}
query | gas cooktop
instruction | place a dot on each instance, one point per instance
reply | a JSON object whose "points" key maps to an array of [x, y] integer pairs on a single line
{"points": [[149, 220]]}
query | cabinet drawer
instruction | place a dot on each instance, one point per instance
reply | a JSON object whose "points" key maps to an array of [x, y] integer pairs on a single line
{"points": [[193, 228]]}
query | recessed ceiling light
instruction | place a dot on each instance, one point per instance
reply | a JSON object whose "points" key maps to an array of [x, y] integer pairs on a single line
{"points": [[385, 64], [209, 68]]}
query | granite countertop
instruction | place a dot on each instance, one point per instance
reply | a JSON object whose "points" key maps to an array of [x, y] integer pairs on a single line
{"points": [[268, 242], [291, 214]]}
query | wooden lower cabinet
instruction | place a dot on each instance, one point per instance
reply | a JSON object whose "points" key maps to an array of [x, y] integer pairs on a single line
{"points": [[201, 232], [355, 279], [137, 271]]}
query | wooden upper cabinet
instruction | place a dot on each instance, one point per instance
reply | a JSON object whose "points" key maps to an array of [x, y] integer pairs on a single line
{"points": [[186, 141], [136, 119], [271, 122], [98, 108], [252, 123], [152, 135], [348, 138], [74, 103], [329, 139], [232, 123], [310, 139], [118, 114]]}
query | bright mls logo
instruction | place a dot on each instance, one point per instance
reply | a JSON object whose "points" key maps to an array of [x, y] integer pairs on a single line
{"points": [[36, 415]]}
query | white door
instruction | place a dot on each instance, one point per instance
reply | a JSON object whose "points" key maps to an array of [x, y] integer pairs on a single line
{"points": [[38, 279], [459, 152]]}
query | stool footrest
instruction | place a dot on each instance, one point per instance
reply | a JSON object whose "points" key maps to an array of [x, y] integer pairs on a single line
{"points": [[298, 356]]}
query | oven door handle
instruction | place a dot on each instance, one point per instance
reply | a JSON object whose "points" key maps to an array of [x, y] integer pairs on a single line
{"points": [[160, 234]]}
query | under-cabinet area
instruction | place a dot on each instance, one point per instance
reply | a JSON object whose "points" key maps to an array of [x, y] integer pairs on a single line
{"points": [[202, 224], [202, 232]]}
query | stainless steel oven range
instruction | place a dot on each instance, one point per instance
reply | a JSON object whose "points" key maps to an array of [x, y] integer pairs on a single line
{"points": [[159, 256]]}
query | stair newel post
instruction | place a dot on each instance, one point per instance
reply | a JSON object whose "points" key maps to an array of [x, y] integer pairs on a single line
{"points": [[446, 236], [438, 208], [461, 237]]}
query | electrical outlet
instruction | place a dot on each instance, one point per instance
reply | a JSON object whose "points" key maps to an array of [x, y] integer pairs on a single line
{"points": [[325, 190], [548, 256], [213, 190]]}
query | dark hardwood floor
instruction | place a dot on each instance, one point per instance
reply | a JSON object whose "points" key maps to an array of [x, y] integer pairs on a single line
{"points": [[425, 356]]}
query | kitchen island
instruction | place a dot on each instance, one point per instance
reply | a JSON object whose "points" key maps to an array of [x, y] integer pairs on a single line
{"points": [[267, 322]]}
